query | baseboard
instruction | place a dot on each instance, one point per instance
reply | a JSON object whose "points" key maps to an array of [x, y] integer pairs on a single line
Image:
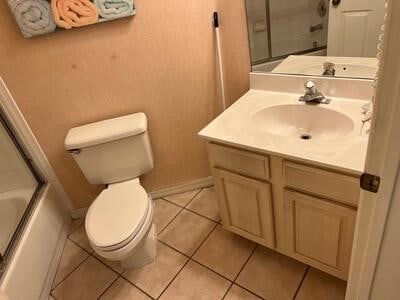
{"points": [[180, 188], [79, 213]]}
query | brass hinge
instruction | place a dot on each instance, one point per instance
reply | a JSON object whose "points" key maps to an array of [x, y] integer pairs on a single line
{"points": [[370, 182]]}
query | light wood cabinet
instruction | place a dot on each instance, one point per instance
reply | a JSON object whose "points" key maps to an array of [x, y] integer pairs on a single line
{"points": [[339, 187], [319, 232], [245, 206], [303, 211]]}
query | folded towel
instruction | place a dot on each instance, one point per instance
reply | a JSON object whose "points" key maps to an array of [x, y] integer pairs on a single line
{"points": [[74, 13], [112, 9], [33, 16]]}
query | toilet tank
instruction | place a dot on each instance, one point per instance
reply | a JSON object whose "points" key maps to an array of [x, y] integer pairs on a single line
{"points": [[112, 150]]}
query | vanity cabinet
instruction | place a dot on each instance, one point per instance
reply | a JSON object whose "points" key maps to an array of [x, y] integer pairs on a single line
{"points": [[319, 232], [245, 206], [303, 211]]}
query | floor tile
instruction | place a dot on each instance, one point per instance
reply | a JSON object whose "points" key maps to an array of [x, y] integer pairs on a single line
{"points": [[196, 282], [319, 285], [88, 281], [182, 199], [115, 265], [237, 293], [272, 275], [154, 278], [72, 256], [123, 290], [186, 232], [75, 224], [164, 212], [79, 236], [205, 203], [224, 252]]}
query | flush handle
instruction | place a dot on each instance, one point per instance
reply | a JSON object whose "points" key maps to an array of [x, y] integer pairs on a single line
{"points": [[370, 182], [74, 151]]}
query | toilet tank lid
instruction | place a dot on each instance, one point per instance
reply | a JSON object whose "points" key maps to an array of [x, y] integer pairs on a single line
{"points": [[105, 131]]}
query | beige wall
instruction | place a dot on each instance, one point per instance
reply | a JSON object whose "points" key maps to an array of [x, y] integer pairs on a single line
{"points": [[161, 62]]}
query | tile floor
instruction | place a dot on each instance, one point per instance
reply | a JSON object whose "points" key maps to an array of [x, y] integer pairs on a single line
{"points": [[196, 259]]}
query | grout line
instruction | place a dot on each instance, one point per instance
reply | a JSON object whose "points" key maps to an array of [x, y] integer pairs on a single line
{"points": [[227, 291], [172, 280], [69, 274], [165, 227], [90, 253], [301, 282], [171, 247], [201, 215], [95, 257], [102, 294], [245, 263], [183, 206], [136, 286], [249, 291], [69, 233], [189, 259], [194, 197]]}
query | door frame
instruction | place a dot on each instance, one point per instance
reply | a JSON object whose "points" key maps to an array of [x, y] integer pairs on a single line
{"points": [[383, 159]]}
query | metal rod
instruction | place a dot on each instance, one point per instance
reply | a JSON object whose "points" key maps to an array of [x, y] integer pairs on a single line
{"points": [[220, 63], [269, 38]]}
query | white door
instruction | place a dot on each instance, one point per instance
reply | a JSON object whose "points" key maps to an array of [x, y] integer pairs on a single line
{"points": [[354, 27]]}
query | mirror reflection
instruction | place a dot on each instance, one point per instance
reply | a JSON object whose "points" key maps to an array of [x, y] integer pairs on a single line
{"points": [[315, 37]]}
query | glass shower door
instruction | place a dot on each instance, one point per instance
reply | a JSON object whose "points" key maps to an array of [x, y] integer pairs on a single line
{"points": [[19, 184]]}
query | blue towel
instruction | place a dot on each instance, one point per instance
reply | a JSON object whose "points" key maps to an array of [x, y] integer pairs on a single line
{"points": [[112, 9], [34, 17]]}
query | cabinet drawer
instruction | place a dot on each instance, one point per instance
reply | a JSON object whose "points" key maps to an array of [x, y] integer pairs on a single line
{"points": [[319, 232], [245, 206], [239, 161], [328, 184]]}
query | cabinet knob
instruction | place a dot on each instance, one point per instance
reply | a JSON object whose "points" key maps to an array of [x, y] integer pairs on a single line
{"points": [[336, 2]]}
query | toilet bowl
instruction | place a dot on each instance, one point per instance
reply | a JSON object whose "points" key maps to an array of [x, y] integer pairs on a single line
{"points": [[119, 222]]}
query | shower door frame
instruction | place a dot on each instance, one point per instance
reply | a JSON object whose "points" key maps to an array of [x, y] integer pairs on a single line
{"points": [[7, 255]]}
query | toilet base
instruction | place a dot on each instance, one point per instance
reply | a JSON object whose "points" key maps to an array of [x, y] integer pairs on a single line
{"points": [[145, 254]]}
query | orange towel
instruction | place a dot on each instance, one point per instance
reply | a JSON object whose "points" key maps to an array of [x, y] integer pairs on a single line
{"points": [[74, 13]]}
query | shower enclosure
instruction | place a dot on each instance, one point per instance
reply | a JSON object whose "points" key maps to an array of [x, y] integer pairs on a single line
{"points": [[279, 28], [20, 185]]}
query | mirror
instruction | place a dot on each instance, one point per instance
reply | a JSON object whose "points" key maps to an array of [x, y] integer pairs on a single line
{"points": [[315, 37]]}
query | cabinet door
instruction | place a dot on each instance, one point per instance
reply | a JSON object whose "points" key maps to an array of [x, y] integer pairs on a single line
{"points": [[319, 232], [245, 206]]}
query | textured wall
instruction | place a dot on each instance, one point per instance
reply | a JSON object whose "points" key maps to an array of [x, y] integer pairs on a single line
{"points": [[161, 62]]}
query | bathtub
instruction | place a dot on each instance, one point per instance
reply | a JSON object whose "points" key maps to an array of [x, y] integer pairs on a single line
{"points": [[12, 208], [31, 270]]}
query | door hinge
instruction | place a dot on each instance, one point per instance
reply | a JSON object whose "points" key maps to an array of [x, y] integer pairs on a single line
{"points": [[370, 182]]}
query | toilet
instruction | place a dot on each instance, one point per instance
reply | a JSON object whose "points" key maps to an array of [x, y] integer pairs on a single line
{"points": [[119, 222]]}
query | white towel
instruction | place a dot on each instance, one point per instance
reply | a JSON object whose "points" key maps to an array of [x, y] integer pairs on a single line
{"points": [[112, 9], [34, 17]]}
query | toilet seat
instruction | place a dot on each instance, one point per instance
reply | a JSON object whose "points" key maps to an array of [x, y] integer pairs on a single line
{"points": [[117, 215]]}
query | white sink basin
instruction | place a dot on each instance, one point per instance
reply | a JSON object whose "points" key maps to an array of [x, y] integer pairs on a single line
{"points": [[303, 121]]}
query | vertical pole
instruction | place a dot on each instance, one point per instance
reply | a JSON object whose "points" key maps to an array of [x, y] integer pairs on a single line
{"points": [[219, 58]]}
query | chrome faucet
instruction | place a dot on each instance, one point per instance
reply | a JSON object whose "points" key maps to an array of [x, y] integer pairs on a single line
{"points": [[312, 95], [329, 69]]}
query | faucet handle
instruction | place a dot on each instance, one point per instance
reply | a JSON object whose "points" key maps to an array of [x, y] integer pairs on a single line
{"points": [[310, 87]]}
